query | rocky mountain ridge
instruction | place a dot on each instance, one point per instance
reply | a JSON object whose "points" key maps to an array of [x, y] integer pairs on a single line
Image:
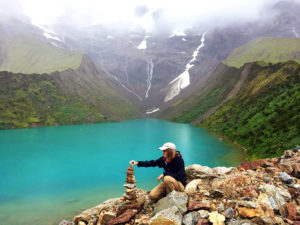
{"points": [[265, 191]]}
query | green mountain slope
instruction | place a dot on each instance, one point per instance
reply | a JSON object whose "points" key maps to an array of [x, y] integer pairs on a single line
{"points": [[44, 100], [42, 85], [265, 115], [27, 54], [265, 50]]}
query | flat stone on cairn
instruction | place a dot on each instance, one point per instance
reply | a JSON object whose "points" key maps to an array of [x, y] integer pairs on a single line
{"points": [[130, 195]]}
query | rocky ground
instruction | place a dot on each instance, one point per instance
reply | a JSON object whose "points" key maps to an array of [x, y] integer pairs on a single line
{"points": [[265, 191]]}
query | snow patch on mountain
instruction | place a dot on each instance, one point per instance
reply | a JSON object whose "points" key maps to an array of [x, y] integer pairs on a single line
{"points": [[152, 110], [183, 80], [143, 44], [41, 27], [178, 32], [49, 36], [295, 32], [149, 77]]}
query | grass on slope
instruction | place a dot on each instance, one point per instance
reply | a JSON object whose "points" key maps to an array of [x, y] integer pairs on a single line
{"points": [[265, 50], [265, 116], [27, 101], [27, 54]]}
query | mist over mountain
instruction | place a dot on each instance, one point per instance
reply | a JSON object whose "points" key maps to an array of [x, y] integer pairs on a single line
{"points": [[154, 53]]}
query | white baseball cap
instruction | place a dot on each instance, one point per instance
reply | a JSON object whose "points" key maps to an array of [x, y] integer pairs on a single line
{"points": [[168, 145]]}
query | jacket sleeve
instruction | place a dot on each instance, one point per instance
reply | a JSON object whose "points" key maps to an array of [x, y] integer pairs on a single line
{"points": [[151, 163]]}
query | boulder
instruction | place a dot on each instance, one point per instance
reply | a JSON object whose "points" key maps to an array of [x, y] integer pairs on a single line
{"points": [[123, 218], [197, 171], [191, 218], [86, 215], [178, 199], [285, 178], [221, 170], [216, 219], [229, 213], [272, 196], [204, 214], [193, 186], [104, 217], [288, 211], [167, 216]]}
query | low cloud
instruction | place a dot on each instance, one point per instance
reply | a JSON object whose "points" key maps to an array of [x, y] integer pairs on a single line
{"points": [[152, 15]]}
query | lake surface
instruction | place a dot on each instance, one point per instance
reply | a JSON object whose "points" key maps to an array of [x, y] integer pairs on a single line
{"points": [[52, 173]]}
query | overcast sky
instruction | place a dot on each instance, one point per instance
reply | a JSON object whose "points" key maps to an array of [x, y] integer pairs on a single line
{"points": [[145, 13]]}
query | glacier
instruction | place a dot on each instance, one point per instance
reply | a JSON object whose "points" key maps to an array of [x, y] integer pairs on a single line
{"points": [[183, 80]]}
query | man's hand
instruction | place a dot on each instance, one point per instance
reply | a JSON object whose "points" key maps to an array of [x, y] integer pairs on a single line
{"points": [[160, 177], [132, 162]]}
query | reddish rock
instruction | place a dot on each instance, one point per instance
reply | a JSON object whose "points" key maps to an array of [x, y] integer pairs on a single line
{"points": [[195, 205], [238, 180], [123, 208], [293, 192], [288, 211], [296, 169], [125, 217], [253, 164], [203, 222], [250, 192], [272, 170]]}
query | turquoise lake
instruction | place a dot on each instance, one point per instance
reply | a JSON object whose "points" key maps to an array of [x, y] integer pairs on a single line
{"points": [[52, 173]]}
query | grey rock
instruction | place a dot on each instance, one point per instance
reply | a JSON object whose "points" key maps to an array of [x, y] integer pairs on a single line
{"points": [[178, 199], [220, 207], [191, 218], [229, 213], [170, 215], [197, 171], [273, 196], [248, 204], [285, 178]]}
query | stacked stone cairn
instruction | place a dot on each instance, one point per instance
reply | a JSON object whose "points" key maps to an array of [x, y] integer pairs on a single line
{"points": [[130, 196]]}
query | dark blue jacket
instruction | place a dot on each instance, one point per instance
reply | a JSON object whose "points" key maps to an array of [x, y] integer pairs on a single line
{"points": [[174, 169]]}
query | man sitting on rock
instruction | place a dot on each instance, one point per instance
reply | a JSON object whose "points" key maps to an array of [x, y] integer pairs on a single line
{"points": [[174, 176]]}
